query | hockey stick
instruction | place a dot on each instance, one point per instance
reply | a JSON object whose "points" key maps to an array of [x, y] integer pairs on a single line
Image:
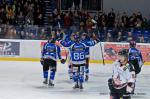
{"points": [[101, 48], [102, 53], [95, 22]]}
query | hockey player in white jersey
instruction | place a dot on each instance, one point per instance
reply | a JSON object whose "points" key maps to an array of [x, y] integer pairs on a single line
{"points": [[122, 83]]}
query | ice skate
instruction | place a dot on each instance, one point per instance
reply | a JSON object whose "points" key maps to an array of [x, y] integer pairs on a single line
{"points": [[86, 78], [45, 81], [50, 84], [76, 86], [81, 86], [71, 77]]}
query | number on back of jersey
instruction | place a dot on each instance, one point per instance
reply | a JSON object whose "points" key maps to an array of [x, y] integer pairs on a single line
{"points": [[78, 56]]}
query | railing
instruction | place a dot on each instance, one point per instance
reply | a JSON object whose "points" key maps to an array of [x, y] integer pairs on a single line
{"points": [[34, 32]]}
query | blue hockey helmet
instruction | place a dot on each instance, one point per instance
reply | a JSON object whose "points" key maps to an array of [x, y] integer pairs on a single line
{"points": [[76, 37]]}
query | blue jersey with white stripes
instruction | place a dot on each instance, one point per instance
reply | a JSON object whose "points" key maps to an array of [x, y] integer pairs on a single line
{"points": [[134, 53], [78, 50], [87, 50], [51, 51]]}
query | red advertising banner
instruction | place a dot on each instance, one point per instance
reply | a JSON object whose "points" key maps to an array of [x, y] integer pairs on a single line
{"points": [[111, 50]]}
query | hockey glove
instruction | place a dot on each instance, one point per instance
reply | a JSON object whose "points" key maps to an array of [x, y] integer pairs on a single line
{"points": [[63, 61], [42, 61], [130, 88]]}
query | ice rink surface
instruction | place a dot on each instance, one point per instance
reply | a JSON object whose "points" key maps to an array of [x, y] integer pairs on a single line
{"points": [[23, 80]]}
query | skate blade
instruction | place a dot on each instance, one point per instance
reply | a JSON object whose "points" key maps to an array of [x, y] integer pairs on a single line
{"points": [[49, 86]]}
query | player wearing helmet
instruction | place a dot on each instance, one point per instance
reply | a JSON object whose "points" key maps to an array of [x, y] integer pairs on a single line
{"points": [[50, 52], [122, 83], [135, 57]]}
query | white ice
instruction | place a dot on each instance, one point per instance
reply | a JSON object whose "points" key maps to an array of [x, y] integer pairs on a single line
{"points": [[23, 80]]}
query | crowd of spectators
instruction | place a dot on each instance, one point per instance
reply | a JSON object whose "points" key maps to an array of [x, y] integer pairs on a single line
{"points": [[20, 12], [24, 18]]}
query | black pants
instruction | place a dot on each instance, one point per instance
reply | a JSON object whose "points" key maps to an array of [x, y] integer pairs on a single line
{"points": [[87, 62], [78, 66], [117, 93], [135, 63], [49, 63]]}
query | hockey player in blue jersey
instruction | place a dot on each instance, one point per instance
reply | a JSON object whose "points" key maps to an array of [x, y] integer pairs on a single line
{"points": [[50, 53], [135, 57], [78, 58], [84, 38], [70, 69]]}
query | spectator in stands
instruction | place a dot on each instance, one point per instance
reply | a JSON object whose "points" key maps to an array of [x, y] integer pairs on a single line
{"points": [[22, 35], [141, 39], [82, 27], [10, 13], [20, 20], [58, 22], [145, 23], [111, 18], [84, 16], [42, 34], [11, 33], [119, 37], [138, 23], [102, 20], [29, 17], [139, 16], [132, 20], [23, 12], [124, 20], [67, 20], [109, 37], [32, 36], [38, 18], [129, 37], [89, 23], [76, 18], [50, 20], [2, 16]]}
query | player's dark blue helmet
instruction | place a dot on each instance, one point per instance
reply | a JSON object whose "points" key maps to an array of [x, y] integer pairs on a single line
{"points": [[132, 44], [77, 37]]}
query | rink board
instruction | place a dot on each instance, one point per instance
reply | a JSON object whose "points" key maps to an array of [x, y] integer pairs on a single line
{"points": [[30, 50]]}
